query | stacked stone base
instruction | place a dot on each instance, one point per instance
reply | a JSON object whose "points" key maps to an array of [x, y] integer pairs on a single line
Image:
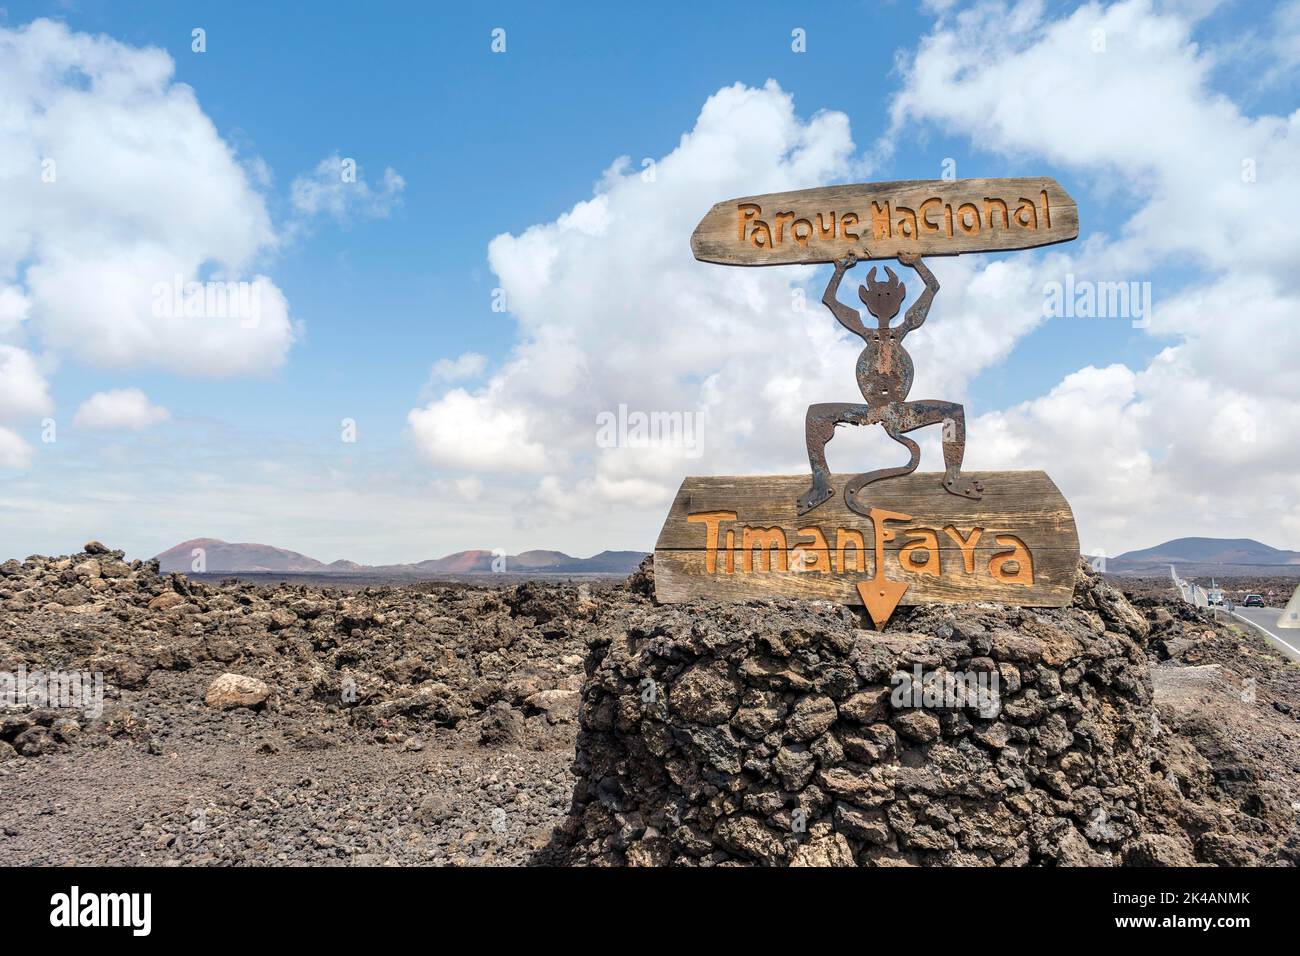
{"points": [[771, 734]]}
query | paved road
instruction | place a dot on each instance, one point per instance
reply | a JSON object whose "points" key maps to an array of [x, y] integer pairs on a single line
{"points": [[1286, 640]]}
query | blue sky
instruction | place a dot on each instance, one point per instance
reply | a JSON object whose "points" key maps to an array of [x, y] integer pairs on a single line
{"points": [[489, 144], [493, 143]]}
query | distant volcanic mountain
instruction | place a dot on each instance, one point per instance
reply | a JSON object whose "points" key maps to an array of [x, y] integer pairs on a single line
{"points": [[219, 556], [222, 557], [1224, 557]]}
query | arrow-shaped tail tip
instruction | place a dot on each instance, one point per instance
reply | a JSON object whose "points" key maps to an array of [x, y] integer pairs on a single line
{"points": [[881, 597]]}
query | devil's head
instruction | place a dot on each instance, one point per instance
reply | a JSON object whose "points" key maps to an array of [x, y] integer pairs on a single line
{"points": [[882, 299]]}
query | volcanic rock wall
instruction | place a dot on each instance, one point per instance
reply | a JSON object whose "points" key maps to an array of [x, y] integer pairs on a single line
{"points": [[784, 733]]}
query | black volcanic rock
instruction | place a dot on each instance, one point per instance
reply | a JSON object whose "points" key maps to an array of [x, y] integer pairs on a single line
{"points": [[447, 713], [771, 733]]}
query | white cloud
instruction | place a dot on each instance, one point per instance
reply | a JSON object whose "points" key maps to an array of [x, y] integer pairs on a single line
{"points": [[337, 188], [470, 488], [13, 310], [24, 393], [113, 181], [1020, 84], [1201, 441], [1282, 39], [119, 408], [612, 308], [137, 325], [467, 365], [24, 396], [14, 452], [474, 432]]}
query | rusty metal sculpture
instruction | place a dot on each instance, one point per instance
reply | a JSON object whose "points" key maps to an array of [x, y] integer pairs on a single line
{"points": [[885, 374]]}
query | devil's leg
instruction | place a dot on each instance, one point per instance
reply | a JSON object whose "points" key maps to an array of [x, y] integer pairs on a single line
{"points": [[952, 417], [819, 428]]}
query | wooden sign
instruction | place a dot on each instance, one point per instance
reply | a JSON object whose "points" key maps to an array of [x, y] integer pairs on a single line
{"points": [[886, 536], [928, 217], [736, 538]]}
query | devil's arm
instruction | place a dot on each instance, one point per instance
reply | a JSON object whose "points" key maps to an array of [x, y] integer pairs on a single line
{"points": [[851, 319], [918, 312]]}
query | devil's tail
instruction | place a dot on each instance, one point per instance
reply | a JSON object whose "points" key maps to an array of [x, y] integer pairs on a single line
{"points": [[861, 481]]}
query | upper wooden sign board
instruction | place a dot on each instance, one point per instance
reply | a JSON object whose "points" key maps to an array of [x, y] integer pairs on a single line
{"points": [[935, 217]]}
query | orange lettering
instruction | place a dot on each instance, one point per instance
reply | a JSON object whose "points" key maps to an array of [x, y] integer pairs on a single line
{"points": [[711, 520], [966, 544]]}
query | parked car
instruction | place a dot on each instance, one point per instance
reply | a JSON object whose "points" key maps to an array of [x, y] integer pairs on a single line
{"points": [[1253, 600]]}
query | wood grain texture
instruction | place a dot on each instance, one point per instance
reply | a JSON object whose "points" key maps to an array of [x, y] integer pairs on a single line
{"points": [[930, 217], [1023, 506]]}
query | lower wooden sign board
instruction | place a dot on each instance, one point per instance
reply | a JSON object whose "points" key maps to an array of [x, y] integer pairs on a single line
{"points": [[738, 538]]}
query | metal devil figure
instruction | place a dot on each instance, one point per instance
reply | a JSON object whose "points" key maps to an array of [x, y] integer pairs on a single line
{"points": [[885, 376], [1006, 536]]}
